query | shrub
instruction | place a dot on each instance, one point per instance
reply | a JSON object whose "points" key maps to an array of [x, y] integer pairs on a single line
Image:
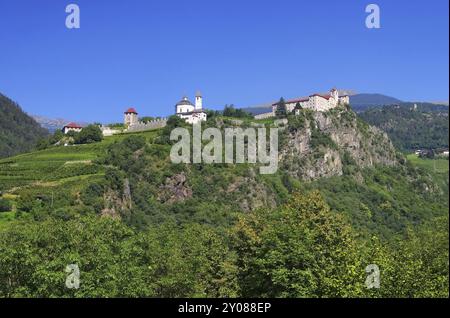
{"points": [[230, 111], [89, 134], [5, 205]]}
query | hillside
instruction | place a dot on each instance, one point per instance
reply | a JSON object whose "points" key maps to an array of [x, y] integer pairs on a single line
{"points": [[18, 131], [409, 129], [312, 146], [323, 144], [341, 198]]}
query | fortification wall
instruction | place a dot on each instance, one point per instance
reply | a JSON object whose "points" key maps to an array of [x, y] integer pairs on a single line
{"points": [[264, 116], [155, 124]]}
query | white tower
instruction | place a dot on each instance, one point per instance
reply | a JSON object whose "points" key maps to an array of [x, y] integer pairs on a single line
{"points": [[335, 94], [131, 117], [198, 101]]}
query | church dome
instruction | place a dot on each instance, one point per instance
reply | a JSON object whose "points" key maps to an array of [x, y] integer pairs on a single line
{"points": [[185, 101]]}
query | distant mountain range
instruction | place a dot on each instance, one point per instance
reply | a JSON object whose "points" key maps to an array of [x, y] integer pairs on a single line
{"points": [[361, 102], [53, 124]]}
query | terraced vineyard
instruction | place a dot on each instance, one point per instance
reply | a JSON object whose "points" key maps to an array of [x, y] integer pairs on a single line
{"points": [[56, 173], [55, 164], [44, 165]]}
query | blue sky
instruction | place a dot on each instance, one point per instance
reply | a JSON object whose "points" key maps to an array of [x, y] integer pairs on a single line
{"points": [[148, 54]]}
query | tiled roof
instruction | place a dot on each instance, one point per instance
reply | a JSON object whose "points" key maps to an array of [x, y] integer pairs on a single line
{"points": [[72, 125], [131, 110]]}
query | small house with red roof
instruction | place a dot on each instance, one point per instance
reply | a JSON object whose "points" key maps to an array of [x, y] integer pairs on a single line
{"points": [[71, 127]]}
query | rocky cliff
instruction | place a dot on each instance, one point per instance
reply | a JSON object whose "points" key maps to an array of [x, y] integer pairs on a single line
{"points": [[322, 144]]}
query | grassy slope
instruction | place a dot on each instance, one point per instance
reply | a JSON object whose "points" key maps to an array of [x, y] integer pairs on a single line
{"points": [[43, 165], [48, 170], [431, 165]]}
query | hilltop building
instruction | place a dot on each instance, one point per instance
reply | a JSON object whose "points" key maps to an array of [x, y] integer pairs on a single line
{"points": [[191, 113], [132, 123], [316, 102], [71, 127], [131, 117]]}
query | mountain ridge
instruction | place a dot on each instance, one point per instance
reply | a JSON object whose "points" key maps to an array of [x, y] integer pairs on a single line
{"points": [[18, 131]]}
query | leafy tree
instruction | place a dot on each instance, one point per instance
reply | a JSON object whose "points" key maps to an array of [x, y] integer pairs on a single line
{"points": [[89, 134], [114, 260], [231, 111], [300, 250], [412, 267], [172, 123]]}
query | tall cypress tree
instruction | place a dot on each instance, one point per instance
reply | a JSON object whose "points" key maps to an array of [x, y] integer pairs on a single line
{"points": [[281, 108]]}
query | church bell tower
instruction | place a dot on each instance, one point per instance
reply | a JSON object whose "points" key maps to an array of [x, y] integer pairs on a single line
{"points": [[198, 101]]}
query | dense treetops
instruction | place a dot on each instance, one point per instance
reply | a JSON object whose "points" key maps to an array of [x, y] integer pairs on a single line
{"points": [[301, 249], [231, 111], [18, 131]]}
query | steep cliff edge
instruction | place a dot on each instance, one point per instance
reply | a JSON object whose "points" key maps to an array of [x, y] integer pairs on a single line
{"points": [[322, 144]]}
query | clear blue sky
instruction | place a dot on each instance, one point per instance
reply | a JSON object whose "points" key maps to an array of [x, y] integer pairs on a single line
{"points": [[147, 54]]}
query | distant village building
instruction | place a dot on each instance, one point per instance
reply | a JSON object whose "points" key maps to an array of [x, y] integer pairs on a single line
{"points": [[71, 127], [191, 113], [316, 102]]}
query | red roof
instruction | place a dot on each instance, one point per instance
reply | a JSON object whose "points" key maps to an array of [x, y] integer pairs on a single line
{"points": [[72, 125], [131, 110], [323, 96], [305, 99], [296, 100]]}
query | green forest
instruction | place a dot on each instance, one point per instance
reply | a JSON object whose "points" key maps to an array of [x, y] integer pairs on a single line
{"points": [[137, 225], [423, 127], [18, 131]]}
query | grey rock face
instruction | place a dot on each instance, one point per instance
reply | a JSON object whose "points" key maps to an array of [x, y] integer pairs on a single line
{"points": [[326, 141]]}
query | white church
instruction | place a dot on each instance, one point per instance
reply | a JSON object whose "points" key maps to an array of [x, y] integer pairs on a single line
{"points": [[316, 102], [191, 113]]}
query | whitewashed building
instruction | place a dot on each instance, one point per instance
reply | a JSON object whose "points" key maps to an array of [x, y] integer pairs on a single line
{"points": [[316, 102], [191, 113], [71, 127]]}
